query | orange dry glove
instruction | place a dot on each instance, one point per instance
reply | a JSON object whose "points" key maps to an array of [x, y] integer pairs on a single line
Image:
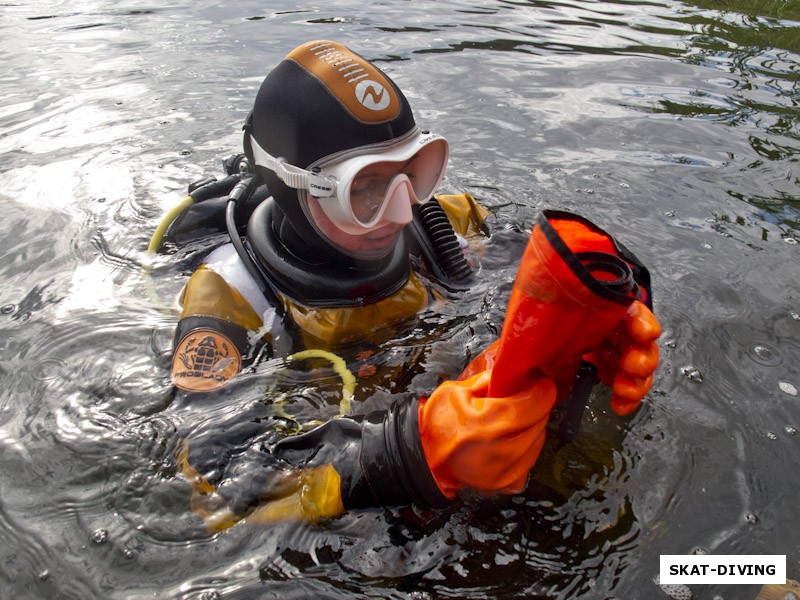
{"points": [[573, 288], [577, 291], [475, 441], [627, 360]]}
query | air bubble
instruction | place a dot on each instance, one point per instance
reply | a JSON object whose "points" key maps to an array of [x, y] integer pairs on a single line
{"points": [[671, 344], [765, 355], [100, 536], [692, 373], [751, 518], [787, 388], [669, 213], [8, 309], [48, 369], [210, 596], [763, 352]]}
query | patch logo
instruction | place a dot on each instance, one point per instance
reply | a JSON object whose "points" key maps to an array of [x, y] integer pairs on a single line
{"points": [[358, 85], [372, 95], [204, 360]]}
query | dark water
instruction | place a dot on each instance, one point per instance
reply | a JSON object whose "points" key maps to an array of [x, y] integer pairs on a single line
{"points": [[674, 126]]}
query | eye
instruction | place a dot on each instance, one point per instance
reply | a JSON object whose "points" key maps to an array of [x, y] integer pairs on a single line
{"points": [[364, 187]]}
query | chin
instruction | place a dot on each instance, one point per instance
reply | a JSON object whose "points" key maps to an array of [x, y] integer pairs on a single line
{"points": [[376, 243], [381, 239]]}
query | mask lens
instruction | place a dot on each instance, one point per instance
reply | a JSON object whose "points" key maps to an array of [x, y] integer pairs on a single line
{"points": [[368, 190], [424, 170]]}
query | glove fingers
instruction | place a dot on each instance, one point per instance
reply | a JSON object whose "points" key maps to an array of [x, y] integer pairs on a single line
{"points": [[623, 408], [628, 392], [606, 359], [639, 361], [642, 324]]}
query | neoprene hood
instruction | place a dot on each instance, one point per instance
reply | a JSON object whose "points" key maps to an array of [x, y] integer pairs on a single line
{"points": [[319, 101]]}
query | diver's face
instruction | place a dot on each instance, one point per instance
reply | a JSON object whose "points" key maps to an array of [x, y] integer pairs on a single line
{"points": [[375, 241], [372, 189]]}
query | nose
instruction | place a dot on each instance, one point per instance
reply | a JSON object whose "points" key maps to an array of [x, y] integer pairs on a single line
{"points": [[398, 203]]}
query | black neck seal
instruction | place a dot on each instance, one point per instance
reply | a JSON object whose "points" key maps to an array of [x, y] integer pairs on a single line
{"points": [[313, 278]]}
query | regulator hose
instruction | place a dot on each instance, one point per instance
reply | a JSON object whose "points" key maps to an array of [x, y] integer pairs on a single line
{"points": [[198, 192], [443, 242], [241, 191]]}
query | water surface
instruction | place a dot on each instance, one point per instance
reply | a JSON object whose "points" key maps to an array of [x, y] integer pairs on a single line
{"points": [[675, 126]]}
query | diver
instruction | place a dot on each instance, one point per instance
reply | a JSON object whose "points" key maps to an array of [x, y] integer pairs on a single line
{"points": [[344, 234]]}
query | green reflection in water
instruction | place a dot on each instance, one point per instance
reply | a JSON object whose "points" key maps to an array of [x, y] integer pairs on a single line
{"points": [[753, 32], [755, 47], [776, 9]]}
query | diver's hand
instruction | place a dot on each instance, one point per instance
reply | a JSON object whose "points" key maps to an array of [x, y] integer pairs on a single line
{"points": [[306, 495], [473, 441], [627, 360], [261, 488]]}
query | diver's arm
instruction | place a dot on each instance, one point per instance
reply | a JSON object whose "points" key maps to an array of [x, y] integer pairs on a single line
{"points": [[421, 452], [576, 296], [465, 214], [222, 325]]}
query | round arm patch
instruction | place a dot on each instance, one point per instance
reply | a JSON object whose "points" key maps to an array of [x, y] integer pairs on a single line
{"points": [[204, 360]]}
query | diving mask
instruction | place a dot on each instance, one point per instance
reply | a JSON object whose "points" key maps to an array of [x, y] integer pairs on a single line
{"points": [[358, 189]]}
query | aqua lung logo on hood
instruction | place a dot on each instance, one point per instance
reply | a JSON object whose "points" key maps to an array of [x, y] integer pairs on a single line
{"points": [[361, 88], [372, 95]]}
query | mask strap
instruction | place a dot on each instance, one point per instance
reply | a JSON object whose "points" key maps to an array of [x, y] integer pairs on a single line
{"points": [[292, 176]]}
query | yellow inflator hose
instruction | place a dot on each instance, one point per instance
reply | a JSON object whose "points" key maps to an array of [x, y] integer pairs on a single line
{"points": [[155, 244], [340, 366]]}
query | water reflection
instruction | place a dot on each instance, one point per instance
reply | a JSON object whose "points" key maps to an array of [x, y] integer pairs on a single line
{"points": [[752, 75]]}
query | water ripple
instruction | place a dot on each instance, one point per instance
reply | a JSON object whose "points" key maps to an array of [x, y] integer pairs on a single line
{"points": [[673, 125]]}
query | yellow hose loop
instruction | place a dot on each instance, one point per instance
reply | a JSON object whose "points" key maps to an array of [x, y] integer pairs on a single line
{"points": [[158, 234], [340, 366], [152, 248]]}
